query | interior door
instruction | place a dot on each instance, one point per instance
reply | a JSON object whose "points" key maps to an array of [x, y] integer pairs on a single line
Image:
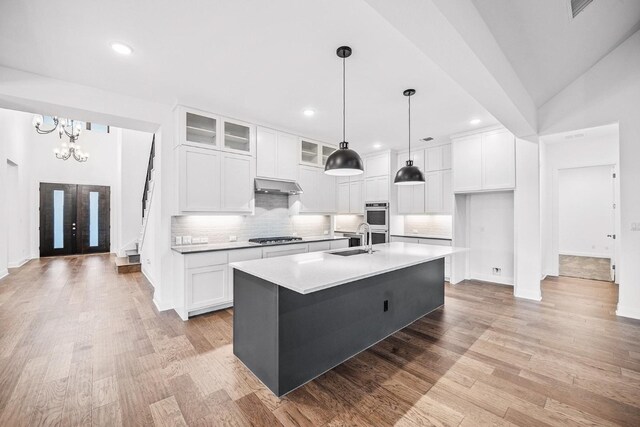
{"points": [[614, 206], [57, 219], [93, 214]]}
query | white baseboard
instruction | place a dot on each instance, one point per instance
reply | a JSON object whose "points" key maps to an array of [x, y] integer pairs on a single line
{"points": [[533, 295], [631, 312], [148, 276], [19, 263], [4, 273], [160, 306], [491, 278]]}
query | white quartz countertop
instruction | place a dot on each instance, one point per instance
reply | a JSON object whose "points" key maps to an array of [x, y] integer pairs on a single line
{"points": [[212, 247], [312, 272]]}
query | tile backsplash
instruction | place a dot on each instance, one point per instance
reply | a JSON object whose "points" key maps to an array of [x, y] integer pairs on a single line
{"points": [[348, 222], [430, 225], [271, 219]]}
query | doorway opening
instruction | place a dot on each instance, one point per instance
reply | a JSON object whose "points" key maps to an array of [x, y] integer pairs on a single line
{"points": [[74, 219], [586, 222]]}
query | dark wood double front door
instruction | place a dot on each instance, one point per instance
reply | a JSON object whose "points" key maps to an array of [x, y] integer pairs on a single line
{"points": [[74, 219]]}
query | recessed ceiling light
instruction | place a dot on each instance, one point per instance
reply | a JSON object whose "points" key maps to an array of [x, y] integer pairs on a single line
{"points": [[308, 112], [121, 48], [475, 121], [377, 145]]}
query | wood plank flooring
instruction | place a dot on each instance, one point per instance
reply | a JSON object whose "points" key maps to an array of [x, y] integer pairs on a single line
{"points": [[82, 345]]}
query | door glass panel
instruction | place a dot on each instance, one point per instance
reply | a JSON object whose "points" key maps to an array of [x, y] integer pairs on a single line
{"points": [[237, 137], [58, 219], [309, 152], [326, 152], [201, 129], [93, 218]]}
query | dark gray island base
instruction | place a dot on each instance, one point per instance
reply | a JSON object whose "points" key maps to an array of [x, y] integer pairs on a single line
{"points": [[287, 338]]}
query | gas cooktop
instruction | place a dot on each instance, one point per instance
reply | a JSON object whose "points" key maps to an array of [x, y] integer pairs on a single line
{"points": [[272, 240]]}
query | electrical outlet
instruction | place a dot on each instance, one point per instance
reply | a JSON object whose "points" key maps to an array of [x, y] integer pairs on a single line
{"points": [[497, 271], [635, 226], [178, 240], [233, 238], [186, 240], [204, 239], [326, 232]]}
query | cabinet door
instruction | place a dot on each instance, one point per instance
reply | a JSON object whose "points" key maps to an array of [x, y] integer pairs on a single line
{"points": [[207, 286], [383, 187], [309, 152], [466, 158], [238, 137], [433, 159], [199, 128], [327, 192], [309, 199], [343, 198], [377, 165], [447, 192], [370, 190], [433, 197], [267, 143], [327, 150], [356, 202], [237, 183], [287, 158], [498, 161], [446, 156], [199, 179]]}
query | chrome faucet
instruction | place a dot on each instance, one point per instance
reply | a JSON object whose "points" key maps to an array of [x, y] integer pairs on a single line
{"points": [[369, 246]]}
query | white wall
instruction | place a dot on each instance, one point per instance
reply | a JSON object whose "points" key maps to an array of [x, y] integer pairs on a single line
{"points": [[598, 147], [585, 211], [15, 227], [609, 92], [491, 238]]}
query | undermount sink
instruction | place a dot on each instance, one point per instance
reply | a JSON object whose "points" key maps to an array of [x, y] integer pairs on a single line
{"points": [[351, 252]]}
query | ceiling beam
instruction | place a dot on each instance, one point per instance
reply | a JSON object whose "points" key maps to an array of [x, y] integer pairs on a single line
{"points": [[454, 36]]}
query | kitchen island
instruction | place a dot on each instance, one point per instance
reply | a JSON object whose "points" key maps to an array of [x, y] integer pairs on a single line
{"points": [[298, 316]]}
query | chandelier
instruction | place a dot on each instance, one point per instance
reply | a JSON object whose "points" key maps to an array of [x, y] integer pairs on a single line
{"points": [[71, 129]]}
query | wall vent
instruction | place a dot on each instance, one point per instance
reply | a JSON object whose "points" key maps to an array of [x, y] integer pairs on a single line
{"points": [[578, 6], [427, 139]]}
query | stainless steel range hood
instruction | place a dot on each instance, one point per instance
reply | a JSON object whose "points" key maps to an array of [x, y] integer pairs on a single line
{"points": [[275, 186]]}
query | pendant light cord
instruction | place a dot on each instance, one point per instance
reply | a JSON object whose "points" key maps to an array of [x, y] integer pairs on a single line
{"points": [[409, 127], [344, 102]]}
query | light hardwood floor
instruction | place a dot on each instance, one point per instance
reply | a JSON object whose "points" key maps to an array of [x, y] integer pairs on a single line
{"points": [[81, 345]]}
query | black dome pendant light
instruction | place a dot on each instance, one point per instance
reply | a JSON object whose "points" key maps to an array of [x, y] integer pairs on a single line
{"points": [[409, 174], [343, 161]]}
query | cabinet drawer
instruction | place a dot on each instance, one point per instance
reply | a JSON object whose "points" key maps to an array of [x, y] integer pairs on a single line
{"points": [[339, 244], [284, 250], [319, 246], [245, 254], [403, 239], [204, 259]]}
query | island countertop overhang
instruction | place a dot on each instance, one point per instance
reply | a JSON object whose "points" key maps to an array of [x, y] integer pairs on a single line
{"points": [[312, 272]]}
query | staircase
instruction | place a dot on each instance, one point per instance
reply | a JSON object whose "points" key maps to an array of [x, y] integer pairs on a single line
{"points": [[130, 263]]}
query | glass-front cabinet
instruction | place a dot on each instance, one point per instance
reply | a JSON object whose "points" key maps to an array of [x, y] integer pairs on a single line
{"points": [[203, 130], [314, 153], [309, 152]]}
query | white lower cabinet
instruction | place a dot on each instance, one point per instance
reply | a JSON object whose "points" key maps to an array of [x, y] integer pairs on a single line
{"points": [[206, 278], [207, 286]]}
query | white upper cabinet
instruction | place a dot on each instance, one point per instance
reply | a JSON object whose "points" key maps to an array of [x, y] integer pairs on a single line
{"points": [[277, 155], [483, 162], [376, 189], [438, 158], [498, 161], [318, 191], [214, 181], [350, 194], [198, 128], [238, 137], [377, 165], [237, 183], [313, 153], [343, 198], [466, 162], [199, 179], [434, 192]]}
